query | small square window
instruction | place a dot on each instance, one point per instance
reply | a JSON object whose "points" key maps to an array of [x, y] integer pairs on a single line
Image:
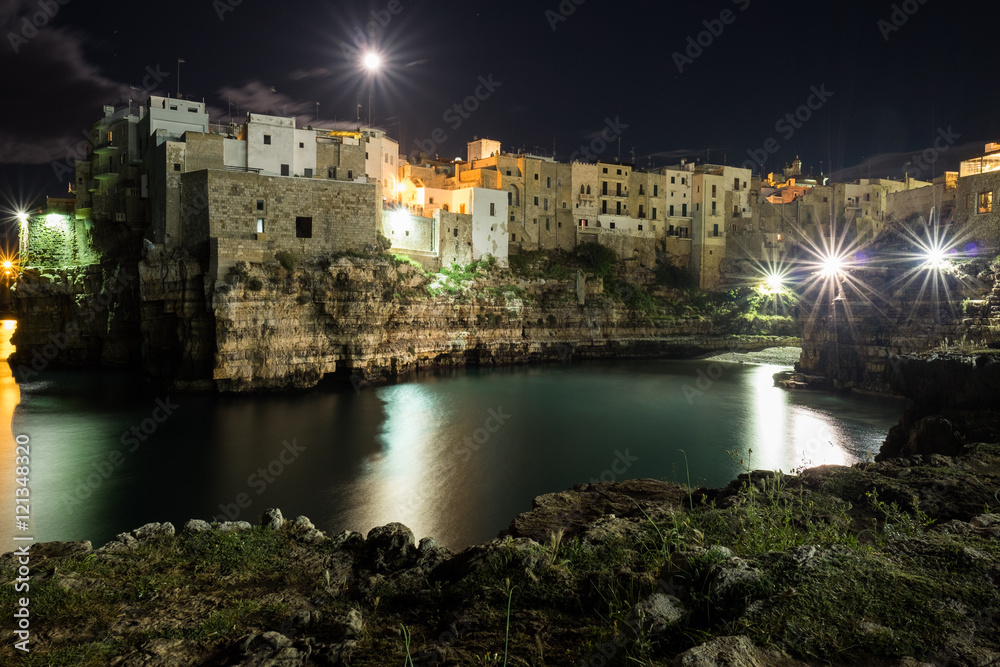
{"points": [[536, 177], [260, 204], [301, 145], [177, 166], [308, 173], [267, 139], [284, 170], [303, 227]]}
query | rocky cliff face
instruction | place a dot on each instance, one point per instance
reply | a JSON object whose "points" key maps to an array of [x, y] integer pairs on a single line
{"points": [[80, 316], [889, 312], [274, 326]]}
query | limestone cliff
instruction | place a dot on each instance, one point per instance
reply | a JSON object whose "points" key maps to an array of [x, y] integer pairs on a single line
{"points": [[275, 326]]}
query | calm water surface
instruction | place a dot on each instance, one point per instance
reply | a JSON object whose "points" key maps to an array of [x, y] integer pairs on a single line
{"points": [[455, 455]]}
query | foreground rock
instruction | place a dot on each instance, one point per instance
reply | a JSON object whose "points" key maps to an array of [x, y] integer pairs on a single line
{"points": [[817, 569]]}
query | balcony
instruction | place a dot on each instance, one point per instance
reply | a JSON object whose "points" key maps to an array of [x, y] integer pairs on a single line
{"points": [[106, 149]]}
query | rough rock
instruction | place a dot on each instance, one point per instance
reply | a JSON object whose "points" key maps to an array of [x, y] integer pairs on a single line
{"points": [[272, 519], [659, 612], [733, 652]]}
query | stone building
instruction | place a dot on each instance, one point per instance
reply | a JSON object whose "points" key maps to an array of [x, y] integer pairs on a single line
{"points": [[977, 206], [233, 192]]}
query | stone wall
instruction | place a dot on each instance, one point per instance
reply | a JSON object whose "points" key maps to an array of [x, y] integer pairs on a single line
{"points": [[306, 217], [56, 241]]}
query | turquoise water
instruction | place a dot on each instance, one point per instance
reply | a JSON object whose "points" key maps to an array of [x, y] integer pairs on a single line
{"points": [[455, 455]]}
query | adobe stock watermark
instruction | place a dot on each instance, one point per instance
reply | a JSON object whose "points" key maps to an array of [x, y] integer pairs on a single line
{"points": [[714, 28], [380, 20], [943, 142], [613, 129], [788, 125], [33, 23], [153, 77], [456, 115], [223, 7], [619, 466], [132, 438], [261, 479], [899, 16], [565, 9]]}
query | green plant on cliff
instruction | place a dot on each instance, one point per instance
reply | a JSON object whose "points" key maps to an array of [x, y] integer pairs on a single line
{"points": [[255, 284], [287, 260]]}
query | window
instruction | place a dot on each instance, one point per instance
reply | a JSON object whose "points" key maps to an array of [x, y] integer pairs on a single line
{"points": [[826, 199], [173, 108], [548, 181], [177, 166], [350, 174], [513, 238], [366, 155], [444, 208], [673, 179], [461, 209], [301, 145], [671, 210], [642, 211], [508, 172], [267, 139], [430, 200], [493, 208], [654, 214], [986, 202], [641, 190], [546, 204], [260, 204], [670, 230], [536, 201], [713, 207], [656, 190], [560, 225], [868, 196], [640, 228], [534, 221], [588, 189], [582, 190], [536, 177], [564, 204], [604, 206], [684, 210], [618, 208], [284, 170], [605, 170], [260, 225], [713, 191], [510, 199], [604, 188], [455, 232], [697, 207], [308, 173], [331, 173], [684, 181], [546, 224], [612, 225], [715, 230], [619, 172], [303, 227]]}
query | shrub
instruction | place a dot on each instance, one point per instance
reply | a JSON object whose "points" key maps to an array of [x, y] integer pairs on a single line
{"points": [[286, 259], [255, 284], [673, 276]]}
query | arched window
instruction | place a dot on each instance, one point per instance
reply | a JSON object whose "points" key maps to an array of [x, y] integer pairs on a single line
{"points": [[445, 207], [588, 189], [581, 190]]}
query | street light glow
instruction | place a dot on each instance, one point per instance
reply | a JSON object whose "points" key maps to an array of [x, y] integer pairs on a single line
{"points": [[935, 258], [832, 265], [22, 216], [372, 61]]}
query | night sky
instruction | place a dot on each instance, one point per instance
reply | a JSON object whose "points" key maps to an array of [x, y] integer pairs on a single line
{"points": [[556, 78]]}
